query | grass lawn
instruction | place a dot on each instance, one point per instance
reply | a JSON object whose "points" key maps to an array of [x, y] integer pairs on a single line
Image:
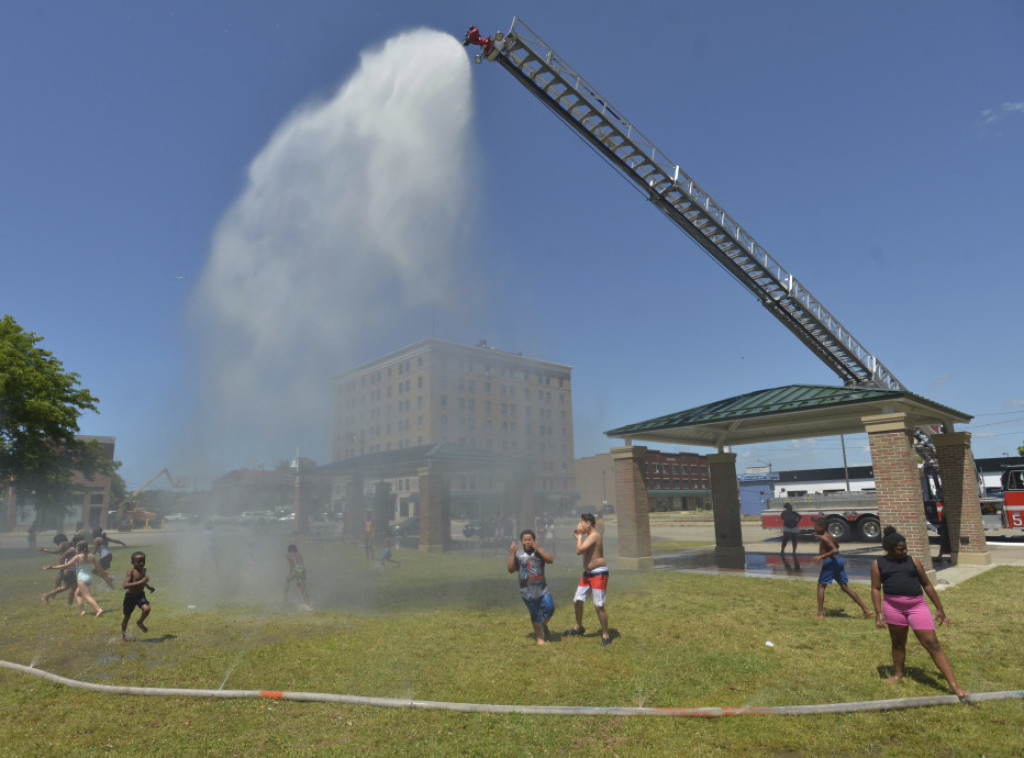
{"points": [[451, 627]]}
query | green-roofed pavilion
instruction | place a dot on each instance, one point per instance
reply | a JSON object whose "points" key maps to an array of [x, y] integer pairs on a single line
{"points": [[795, 411], [891, 418]]}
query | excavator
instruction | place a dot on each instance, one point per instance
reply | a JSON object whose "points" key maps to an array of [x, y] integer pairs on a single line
{"points": [[129, 517]]}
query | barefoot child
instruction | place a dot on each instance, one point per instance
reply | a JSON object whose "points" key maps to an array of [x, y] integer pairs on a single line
{"points": [[903, 581], [102, 542], [66, 579], [832, 569], [135, 585], [297, 574], [533, 587], [83, 563]]}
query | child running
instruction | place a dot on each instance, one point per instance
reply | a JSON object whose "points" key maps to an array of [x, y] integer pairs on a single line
{"points": [[135, 585], [832, 569], [297, 574], [66, 579], [102, 541], [83, 563]]}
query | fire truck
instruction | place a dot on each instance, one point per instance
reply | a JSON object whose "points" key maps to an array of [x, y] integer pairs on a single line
{"points": [[1013, 497], [849, 514]]}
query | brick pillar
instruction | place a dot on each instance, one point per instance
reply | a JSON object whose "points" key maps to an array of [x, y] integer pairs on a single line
{"points": [[725, 497], [432, 497], [632, 516], [898, 482], [383, 510], [355, 506], [961, 506]]}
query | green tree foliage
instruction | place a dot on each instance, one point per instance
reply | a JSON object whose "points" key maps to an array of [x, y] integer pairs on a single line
{"points": [[1020, 450], [40, 404]]}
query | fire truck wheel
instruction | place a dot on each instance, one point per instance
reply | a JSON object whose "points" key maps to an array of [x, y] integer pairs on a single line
{"points": [[868, 529], [839, 528]]}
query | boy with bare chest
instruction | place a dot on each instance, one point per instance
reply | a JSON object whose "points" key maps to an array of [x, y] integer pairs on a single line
{"points": [[595, 576]]}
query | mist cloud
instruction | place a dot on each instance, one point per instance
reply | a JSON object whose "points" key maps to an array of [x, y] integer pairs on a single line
{"points": [[346, 227]]}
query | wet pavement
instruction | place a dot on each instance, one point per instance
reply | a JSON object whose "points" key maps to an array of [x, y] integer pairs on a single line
{"points": [[762, 558], [769, 564]]}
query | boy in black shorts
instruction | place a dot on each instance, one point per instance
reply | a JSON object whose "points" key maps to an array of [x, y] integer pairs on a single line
{"points": [[135, 585]]}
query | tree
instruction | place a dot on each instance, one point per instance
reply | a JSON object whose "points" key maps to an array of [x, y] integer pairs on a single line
{"points": [[40, 404], [305, 464], [1020, 450]]}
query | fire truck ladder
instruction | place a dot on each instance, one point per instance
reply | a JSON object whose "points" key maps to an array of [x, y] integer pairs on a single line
{"points": [[679, 197]]}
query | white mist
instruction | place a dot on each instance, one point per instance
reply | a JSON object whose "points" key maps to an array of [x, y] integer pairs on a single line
{"points": [[348, 225]]}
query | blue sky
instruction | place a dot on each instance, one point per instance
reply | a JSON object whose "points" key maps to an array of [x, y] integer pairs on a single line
{"points": [[875, 149]]}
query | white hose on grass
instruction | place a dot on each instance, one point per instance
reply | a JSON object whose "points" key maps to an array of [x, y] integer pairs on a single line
{"points": [[534, 710]]}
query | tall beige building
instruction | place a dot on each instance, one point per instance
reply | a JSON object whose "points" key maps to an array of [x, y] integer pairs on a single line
{"points": [[477, 397]]}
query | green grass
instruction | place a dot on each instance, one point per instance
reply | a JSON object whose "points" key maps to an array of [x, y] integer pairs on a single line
{"points": [[451, 627]]}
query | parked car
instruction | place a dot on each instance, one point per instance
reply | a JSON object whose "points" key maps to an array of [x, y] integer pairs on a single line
{"points": [[256, 517], [480, 528], [175, 517], [410, 527]]}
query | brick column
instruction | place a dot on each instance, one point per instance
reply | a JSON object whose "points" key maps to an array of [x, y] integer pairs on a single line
{"points": [[961, 506], [383, 510], [355, 506], [725, 496], [431, 511], [632, 516], [898, 482]]}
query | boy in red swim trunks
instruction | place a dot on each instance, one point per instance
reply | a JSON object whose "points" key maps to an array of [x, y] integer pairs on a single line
{"points": [[595, 576]]}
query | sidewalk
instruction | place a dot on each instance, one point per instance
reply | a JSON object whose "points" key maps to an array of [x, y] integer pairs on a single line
{"points": [[764, 560]]}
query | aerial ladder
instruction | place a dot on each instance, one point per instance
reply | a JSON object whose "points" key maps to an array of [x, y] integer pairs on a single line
{"points": [[559, 87], [672, 191]]}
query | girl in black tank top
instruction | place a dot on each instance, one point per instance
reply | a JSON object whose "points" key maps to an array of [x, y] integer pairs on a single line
{"points": [[904, 581]]}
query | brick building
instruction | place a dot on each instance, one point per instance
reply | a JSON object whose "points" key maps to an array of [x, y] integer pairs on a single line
{"points": [[476, 397], [674, 481]]}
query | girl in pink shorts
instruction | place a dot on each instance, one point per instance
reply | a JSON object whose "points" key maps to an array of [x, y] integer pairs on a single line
{"points": [[903, 580]]}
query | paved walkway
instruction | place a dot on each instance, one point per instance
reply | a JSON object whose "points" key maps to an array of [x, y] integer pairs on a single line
{"points": [[763, 558]]}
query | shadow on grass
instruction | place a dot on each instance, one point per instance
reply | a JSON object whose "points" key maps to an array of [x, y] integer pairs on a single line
{"points": [[156, 640], [843, 614], [915, 674]]}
